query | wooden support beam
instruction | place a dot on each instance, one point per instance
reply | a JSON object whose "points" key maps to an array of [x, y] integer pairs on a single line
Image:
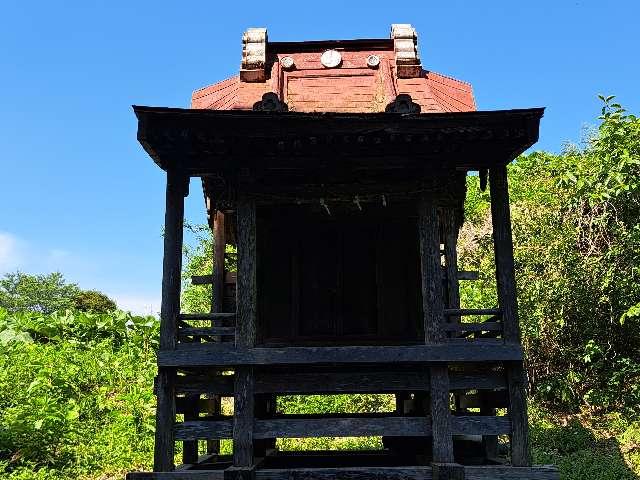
{"points": [[225, 354], [480, 472], [343, 425], [447, 471], [339, 382], [244, 394], [474, 327], [506, 282], [177, 189]]}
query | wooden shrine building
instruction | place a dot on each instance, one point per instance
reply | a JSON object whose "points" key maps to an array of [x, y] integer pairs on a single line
{"points": [[337, 168]]}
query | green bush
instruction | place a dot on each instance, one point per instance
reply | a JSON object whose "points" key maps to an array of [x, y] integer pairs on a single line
{"points": [[75, 393]]}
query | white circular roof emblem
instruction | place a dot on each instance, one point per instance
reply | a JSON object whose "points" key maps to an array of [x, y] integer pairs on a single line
{"points": [[286, 62], [331, 58], [373, 60]]}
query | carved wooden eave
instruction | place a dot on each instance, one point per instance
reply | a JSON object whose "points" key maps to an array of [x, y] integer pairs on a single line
{"points": [[209, 141]]}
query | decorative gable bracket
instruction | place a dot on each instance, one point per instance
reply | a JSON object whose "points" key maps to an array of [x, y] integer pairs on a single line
{"points": [[405, 47], [254, 55]]}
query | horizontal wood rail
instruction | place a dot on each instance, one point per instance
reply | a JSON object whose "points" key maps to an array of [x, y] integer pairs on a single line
{"points": [[206, 316], [472, 472], [468, 275], [450, 312], [341, 426], [473, 327], [207, 331], [229, 277], [226, 354], [338, 382]]}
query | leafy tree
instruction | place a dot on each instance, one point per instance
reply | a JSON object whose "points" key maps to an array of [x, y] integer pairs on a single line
{"points": [[577, 249], [93, 301], [37, 293]]}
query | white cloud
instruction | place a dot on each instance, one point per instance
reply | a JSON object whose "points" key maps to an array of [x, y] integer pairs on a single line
{"points": [[11, 252], [137, 304]]}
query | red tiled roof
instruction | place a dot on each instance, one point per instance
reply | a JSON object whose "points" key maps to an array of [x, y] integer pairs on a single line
{"points": [[353, 86]]}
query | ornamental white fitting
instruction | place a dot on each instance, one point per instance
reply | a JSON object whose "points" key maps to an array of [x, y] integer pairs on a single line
{"points": [[254, 55], [331, 58], [405, 47], [287, 63], [373, 61]]}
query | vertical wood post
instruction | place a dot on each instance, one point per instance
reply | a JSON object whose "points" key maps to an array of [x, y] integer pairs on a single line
{"points": [[177, 189], [219, 247], [450, 229], [506, 282], [433, 306], [244, 399], [217, 299]]}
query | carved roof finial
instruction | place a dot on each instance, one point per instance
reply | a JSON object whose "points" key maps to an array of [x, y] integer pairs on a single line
{"points": [[405, 46], [254, 55]]}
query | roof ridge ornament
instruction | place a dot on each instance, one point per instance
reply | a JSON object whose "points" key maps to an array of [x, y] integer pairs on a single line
{"points": [[254, 55], [405, 47]]}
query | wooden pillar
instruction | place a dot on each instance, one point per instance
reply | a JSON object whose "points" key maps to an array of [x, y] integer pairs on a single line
{"points": [[177, 189], [219, 247], [433, 307], [217, 297], [506, 282], [450, 228], [244, 399]]}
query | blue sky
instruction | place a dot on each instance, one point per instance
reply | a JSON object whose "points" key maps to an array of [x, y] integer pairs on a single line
{"points": [[79, 195]]}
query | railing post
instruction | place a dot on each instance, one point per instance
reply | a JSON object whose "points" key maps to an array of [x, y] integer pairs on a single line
{"points": [[506, 283], [244, 397], [433, 307], [177, 189]]}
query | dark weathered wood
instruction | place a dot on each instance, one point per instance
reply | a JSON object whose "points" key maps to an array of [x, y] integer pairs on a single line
{"points": [[471, 311], [345, 382], [190, 447], [440, 415], [226, 355], [246, 282], [484, 472], [332, 426], [219, 247], [519, 439], [500, 472], [207, 331], [295, 427], [213, 384], [201, 139], [488, 408], [177, 188], [240, 473], [473, 327], [450, 228], [480, 425], [201, 279], [164, 448], [177, 184], [336, 381], [506, 282], [503, 249], [468, 275], [244, 395], [432, 298], [447, 471]]}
